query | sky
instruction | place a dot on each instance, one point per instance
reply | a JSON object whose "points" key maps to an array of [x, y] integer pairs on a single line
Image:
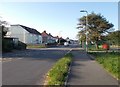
{"points": [[57, 18]]}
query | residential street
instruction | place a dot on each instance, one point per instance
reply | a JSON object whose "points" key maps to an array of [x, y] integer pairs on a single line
{"points": [[65, 44], [30, 66]]}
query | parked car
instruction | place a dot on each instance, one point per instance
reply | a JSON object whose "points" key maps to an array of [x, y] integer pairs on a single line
{"points": [[66, 44]]}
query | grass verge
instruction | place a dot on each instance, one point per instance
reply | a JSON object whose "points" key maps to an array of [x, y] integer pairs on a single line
{"points": [[110, 61], [36, 46], [57, 75]]}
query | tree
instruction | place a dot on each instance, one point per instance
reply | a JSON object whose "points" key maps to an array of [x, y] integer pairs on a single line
{"points": [[3, 31], [96, 28], [3, 27], [114, 38]]}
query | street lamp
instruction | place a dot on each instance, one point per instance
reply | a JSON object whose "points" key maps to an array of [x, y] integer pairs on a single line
{"points": [[86, 28]]}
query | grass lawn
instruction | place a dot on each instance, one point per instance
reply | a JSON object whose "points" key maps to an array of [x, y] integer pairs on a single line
{"points": [[36, 46], [110, 61]]}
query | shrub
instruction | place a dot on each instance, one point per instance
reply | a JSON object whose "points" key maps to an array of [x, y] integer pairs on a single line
{"points": [[7, 45], [21, 45]]}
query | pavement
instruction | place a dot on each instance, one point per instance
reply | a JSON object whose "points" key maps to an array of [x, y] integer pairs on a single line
{"points": [[29, 67], [85, 71]]}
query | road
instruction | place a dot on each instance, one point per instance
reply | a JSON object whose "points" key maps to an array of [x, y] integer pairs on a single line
{"points": [[30, 66]]}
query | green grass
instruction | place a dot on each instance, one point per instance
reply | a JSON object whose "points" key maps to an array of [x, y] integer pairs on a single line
{"points": [[58, 73], [110, 61], [36, 46]]}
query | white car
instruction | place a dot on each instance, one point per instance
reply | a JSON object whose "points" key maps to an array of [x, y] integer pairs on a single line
{"points": [[66, 44]]}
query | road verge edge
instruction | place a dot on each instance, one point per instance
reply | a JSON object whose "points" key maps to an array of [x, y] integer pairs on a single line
{"points": [[58, 74]]}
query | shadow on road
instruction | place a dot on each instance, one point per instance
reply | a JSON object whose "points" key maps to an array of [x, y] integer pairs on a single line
{"points": [[36, 53]]}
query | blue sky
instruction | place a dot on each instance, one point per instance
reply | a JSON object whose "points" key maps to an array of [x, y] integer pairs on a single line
{"points": [[57, 18]]}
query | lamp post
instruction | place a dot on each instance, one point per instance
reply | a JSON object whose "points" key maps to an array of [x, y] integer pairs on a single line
{"points": [[86, 28]]}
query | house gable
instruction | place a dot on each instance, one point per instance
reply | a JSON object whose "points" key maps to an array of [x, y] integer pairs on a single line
{"points": [[30, 30], [25, 34], [44, 34]]}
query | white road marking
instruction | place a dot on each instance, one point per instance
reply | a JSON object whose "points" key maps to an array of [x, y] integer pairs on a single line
{"points": [[8, 59]]}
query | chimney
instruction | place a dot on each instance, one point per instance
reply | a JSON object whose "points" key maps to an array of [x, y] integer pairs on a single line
{"points": [[44, 31]]}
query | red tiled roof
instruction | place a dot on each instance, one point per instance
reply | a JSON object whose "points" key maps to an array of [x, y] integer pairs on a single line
{"points": [[44, 34]]}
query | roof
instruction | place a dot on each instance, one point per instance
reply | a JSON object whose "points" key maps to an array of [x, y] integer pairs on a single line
{"points": [[44, 34], [50, 35], [56, 37], [30, 30]]}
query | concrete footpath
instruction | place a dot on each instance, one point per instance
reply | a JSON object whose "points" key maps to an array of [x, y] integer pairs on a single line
{"points": [[85, 71]]}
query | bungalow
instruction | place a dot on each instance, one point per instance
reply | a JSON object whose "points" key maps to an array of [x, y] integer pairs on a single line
{"points": [[25, 34]]}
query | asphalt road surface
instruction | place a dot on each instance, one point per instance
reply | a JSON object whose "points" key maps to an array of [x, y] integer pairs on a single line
{"points": [[30, 66]]}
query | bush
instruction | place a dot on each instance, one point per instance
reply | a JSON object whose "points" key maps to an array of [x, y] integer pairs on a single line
{"points": [[59, 71], [21, 45], [7, 45], [93, 48]]}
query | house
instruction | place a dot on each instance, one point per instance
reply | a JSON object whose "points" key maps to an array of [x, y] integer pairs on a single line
{"points": [[25, 34], [47, 38], [56, 38], [44, 37], [51, 39]]}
